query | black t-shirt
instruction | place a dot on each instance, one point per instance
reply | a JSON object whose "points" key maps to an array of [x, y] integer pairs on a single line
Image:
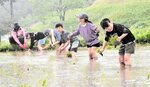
{"points": [[119, 30], [35, 37]]}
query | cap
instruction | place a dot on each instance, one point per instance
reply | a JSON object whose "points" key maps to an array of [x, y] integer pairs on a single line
{"points": [[83, 16]]}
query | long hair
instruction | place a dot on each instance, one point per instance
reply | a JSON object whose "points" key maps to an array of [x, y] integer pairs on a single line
{"points": [[87, 21]]}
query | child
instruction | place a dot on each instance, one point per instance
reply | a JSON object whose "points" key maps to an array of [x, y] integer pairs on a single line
{"points": [[74, 42], [124, 36], [18, 37], [34, 38], [89, 32], [53, 37]]}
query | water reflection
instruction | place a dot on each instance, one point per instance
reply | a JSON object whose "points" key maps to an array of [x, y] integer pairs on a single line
{"points": [[126, 74], [93, 74], [35, 69]]}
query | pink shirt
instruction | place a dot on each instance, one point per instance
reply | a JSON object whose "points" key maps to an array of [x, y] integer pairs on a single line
{"points": [[20, 32]]}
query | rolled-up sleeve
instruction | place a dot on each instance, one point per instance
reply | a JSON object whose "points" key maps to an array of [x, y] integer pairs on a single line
{"points": [[125, 30]]}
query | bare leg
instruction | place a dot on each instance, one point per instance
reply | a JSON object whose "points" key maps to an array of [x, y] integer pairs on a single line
{"points": [[127, 59], [57, 49], [93, 51], [90, 54], [73, 57], [121, 61]]}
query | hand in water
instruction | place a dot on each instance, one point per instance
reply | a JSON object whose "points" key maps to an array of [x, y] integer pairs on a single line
{"points": [[59, 52], [25, 46], [40, 49], [21, 46]]}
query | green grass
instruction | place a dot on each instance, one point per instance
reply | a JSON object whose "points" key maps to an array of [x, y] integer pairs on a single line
{"points": [[134, 14], [131, 13], [4, 46]]}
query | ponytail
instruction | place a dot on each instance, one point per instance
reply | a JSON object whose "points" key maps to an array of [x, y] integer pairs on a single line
{"points": [[86, 20], [89, 22]]}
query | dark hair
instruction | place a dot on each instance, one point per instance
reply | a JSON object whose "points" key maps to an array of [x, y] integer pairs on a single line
{"points": [[46, 32], [58, 25], [104, 23], [84, 16], [16, 27], [88, 21], [31, 34]]}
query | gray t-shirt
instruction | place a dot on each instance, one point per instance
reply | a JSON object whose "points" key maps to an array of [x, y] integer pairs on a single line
{"points": [[64, 38], [88, 32]]}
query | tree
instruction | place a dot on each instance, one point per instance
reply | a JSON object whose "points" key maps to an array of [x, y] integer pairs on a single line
{"points": [[42, 8], [11, 13], [62, 6], [2, 3]]}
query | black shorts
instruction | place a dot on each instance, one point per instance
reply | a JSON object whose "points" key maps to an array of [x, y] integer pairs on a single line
{"points": [[73, 49], [95, 45]]}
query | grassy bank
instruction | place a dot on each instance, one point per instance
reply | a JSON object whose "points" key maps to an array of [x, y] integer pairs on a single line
{"points": [[134, 14]]}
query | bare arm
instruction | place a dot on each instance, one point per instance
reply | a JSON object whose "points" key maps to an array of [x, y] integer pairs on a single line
{"points": [[53, 37], [24, 35], [104, 46], [14, 35], [65, 45], [62, 45], [121, 37]]}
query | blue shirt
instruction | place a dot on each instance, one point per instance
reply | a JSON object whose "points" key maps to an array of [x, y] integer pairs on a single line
{"points": [[57, 35]]}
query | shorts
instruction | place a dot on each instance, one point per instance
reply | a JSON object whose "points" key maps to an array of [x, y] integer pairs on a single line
{"points": [[95, 45], [42, 41], [74, 46], [127, 48]]}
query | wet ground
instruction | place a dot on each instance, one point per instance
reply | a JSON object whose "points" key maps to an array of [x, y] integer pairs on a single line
{"points": [[35, 69]]}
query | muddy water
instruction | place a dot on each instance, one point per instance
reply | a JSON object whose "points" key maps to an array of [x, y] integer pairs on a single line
{"points": [[43, 69]]}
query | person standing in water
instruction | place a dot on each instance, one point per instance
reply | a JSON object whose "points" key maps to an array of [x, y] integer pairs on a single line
{"points": [[125, 37], [90, 34], [71, 44]]}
